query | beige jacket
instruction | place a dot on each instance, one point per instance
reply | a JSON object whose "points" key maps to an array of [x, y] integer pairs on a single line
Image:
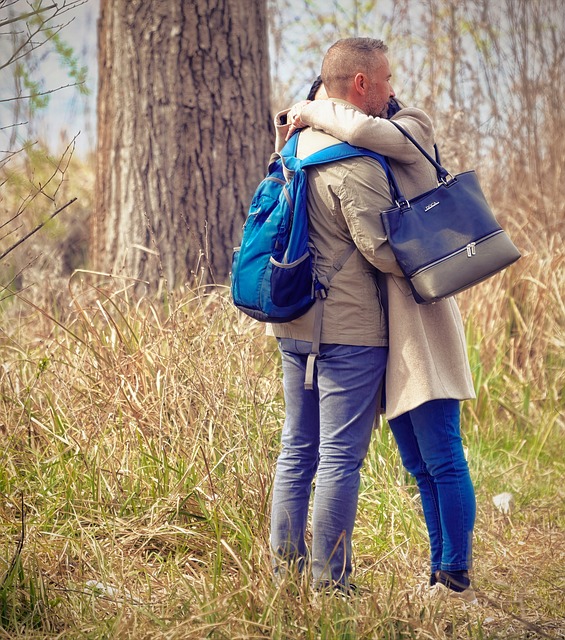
{"points": [[427, 348], [343, 200]]}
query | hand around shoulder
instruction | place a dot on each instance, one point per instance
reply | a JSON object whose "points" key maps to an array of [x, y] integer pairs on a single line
{"points": [[282, 126]]}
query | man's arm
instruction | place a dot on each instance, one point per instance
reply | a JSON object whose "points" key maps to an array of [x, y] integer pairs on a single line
{"points": [[363, 194]]}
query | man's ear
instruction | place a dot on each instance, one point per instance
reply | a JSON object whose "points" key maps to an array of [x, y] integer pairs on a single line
{"points": [[360, 83]]}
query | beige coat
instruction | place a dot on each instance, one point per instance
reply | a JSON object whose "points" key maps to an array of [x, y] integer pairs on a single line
{"points": [[427, 348]]}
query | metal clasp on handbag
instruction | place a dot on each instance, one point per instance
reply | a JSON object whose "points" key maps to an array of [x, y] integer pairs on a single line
{"points": [[447, 178], [471, 251]]}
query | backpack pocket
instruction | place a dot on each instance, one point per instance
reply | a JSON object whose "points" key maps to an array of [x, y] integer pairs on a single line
{"points": [[291, 284]]}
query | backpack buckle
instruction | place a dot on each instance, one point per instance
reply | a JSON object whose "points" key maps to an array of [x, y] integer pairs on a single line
{"points": [[319, 290]]}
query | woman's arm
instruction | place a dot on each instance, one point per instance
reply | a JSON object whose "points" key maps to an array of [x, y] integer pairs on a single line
{"points": [[377, 134]]}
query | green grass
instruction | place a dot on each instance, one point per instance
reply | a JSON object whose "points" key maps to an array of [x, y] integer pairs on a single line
{"points": [[138, 449]]}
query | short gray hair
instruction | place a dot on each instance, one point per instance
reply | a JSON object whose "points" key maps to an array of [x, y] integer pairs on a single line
{"points": [[347, 57]]}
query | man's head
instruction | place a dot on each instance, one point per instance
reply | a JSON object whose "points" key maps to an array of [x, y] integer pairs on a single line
{"points": [[357, 70]]}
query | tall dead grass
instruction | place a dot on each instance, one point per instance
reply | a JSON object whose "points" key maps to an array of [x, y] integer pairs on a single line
{"points": [[142, 436], [139, 439]]}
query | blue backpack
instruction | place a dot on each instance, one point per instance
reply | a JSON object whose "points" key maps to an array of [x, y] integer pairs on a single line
{"points": [[273, 278]]}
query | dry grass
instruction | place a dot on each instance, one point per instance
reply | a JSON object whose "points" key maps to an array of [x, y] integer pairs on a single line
{"points": [[139, 440], [142, 439]]}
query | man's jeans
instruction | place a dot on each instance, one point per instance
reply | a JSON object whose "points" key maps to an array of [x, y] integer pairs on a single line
{"points": [[429, 441], [326, 431]]}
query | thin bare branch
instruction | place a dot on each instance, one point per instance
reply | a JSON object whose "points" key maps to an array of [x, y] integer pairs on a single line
{"points": [[61, 167], [6, 287], [12, 231], [42, 93], [9, 126], [22, 50], [24, 16], [39, 226]]}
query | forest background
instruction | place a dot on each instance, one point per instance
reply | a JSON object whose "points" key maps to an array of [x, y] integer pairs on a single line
{"points": [[139, 429]]}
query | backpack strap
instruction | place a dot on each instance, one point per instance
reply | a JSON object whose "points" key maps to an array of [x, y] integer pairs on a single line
{"points": [[333, 153], [318, 312]]}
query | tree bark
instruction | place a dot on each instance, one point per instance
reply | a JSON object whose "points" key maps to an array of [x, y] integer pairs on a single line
{"points": [[184, 134]]}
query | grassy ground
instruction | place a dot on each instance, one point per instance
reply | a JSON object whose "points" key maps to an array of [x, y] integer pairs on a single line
{"points": [[138, 448]]}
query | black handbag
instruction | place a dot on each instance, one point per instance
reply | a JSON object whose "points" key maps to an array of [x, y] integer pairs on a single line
{"points": [[447, 239]]}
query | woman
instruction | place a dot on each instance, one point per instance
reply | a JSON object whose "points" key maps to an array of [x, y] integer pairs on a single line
{"points": [[428, 370]]}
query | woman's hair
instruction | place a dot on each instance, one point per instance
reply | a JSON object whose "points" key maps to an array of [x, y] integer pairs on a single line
{"points": [[347, 57], [393, 107], [314, 88]]}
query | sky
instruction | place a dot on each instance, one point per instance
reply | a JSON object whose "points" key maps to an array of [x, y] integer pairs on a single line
{"points": [[68, 113]]}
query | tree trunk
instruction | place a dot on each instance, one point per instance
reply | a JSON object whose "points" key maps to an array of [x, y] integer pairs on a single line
{"points": [[184, 135]]}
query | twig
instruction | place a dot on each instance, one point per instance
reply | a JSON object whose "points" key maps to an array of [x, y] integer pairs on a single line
{"points": [[43, 93], [529, 625], [23, 16], [10, 126], [41, 189], [39, 226], [6, 287], [18, 548]]}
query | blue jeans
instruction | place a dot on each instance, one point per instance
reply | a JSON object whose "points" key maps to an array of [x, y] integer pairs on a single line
{"points": [[327, 431], [430, 445]]}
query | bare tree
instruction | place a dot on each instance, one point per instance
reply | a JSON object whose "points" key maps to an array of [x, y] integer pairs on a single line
{"points": [[184, 134], [491, 74]]}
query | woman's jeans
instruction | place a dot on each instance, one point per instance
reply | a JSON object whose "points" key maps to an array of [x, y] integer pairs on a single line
{"points": [[326, 432], [429, 441]]}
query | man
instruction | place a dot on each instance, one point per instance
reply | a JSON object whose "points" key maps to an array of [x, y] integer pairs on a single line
{"points": [[428, 371], [327, 429]]}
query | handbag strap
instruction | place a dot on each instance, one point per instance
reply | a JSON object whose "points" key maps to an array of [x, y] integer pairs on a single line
{"points": [[442, 173]]}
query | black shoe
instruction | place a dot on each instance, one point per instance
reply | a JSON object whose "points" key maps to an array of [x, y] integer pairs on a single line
{"points": [[454, 580], [456, 584]]}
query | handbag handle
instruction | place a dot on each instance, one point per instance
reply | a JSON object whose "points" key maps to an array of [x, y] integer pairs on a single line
{"points": [[442, 173]]}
